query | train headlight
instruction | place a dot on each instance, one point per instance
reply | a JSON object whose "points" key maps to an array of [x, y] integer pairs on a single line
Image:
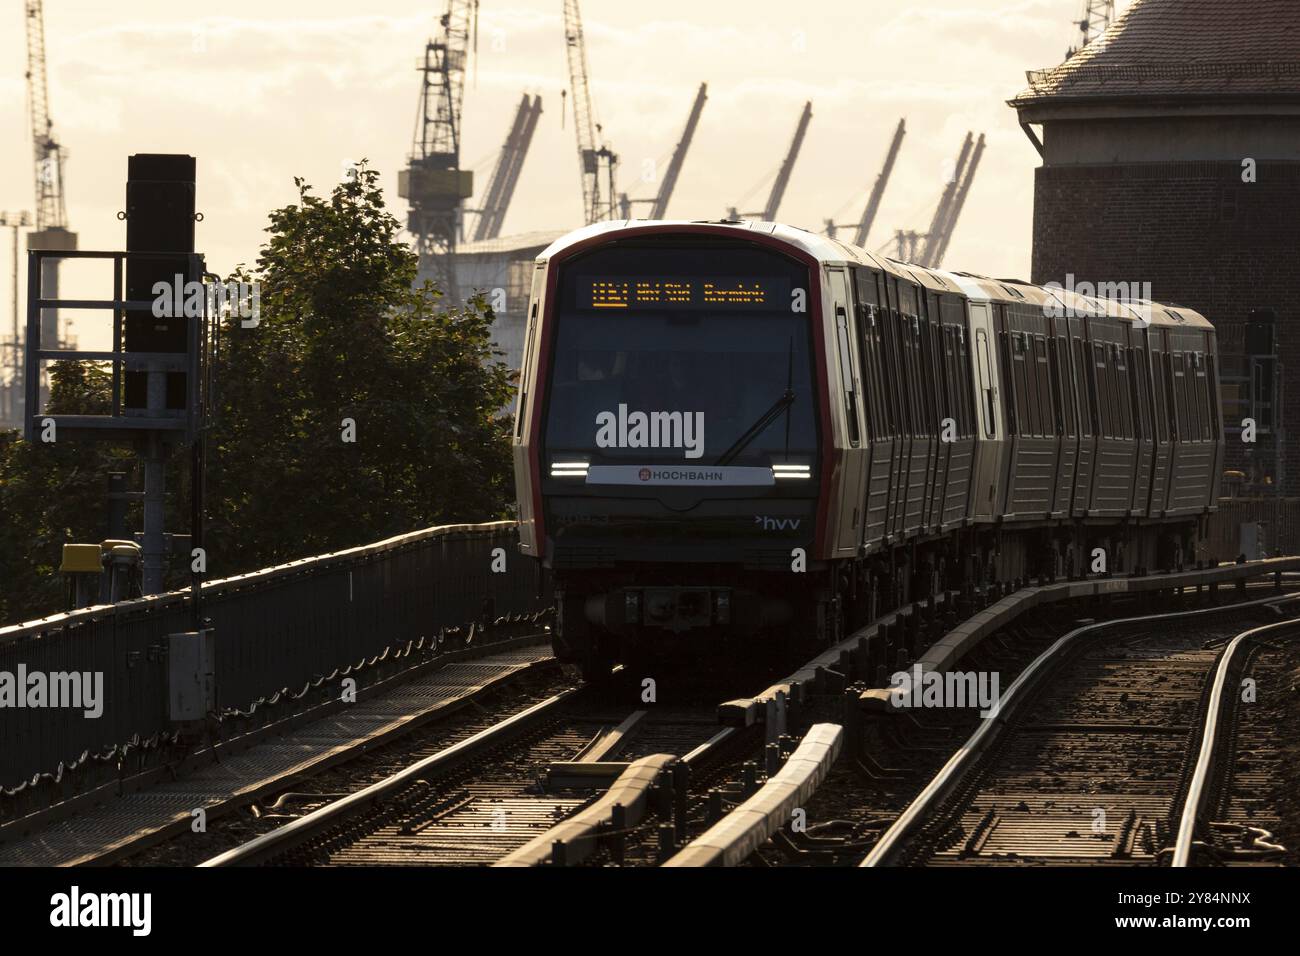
{"points": [[569, 469], [791, 471]]}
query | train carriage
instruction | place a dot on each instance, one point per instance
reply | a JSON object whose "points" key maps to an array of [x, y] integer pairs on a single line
{"points": [[726, 430]]}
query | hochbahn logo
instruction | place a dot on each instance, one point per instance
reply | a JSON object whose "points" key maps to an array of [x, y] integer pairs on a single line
{"points": [[624, 429], [681, 474]]}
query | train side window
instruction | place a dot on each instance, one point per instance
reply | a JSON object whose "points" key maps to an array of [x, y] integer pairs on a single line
{"points": [[1043, 384], [1159, 411], [1088, 426], [1124, 392], [983, 359], [1211, 377], [1182, 430], [1060, 381], [1203, 398], [1101, 388], [966, 377], [846, 375]]}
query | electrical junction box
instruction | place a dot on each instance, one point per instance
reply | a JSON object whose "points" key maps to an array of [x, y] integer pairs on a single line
{"points": [[191, 675]]}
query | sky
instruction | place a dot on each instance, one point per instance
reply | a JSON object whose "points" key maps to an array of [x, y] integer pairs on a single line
{"points": [[267, 90]]}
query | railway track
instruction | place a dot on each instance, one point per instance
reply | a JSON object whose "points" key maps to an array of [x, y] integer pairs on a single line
{"points": [[477, 800], [1093, 752], [507, 782]]}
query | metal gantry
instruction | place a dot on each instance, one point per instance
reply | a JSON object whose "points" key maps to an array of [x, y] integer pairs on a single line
{"points": [[433, 182], [505, 175], [597, 162]]}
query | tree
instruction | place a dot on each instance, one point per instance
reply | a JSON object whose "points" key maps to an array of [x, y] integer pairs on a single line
{"points": [[342, 334]]}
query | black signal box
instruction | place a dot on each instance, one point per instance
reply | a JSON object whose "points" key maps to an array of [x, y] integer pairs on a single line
{"points": [[159, 219]]}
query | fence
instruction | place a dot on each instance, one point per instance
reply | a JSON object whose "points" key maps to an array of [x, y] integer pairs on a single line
{"points": [[276, 628], [1279, 527]]}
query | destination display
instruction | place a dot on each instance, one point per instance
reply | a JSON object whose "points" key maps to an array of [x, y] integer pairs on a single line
{"points": [[660, 293]]}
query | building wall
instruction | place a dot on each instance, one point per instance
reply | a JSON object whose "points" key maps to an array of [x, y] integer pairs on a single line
{"points": [[508, 272], [1202, 238]]}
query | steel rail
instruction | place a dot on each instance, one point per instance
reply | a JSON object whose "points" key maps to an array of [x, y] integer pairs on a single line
{"points": [[988, 730], [1196, 791], [293, 834]]}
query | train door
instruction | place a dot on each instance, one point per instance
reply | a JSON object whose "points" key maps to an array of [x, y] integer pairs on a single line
{"points": [[1160, 420], [988, 450], [524, 440], [1081, 356], [1067, 418], [847, 529], [1140, 370], [892, 326], [878, 401]]}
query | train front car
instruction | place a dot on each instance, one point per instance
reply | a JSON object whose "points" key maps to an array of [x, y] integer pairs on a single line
{"points": [[668, 435]]}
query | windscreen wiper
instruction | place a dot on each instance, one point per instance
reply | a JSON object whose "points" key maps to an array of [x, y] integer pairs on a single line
{"points": [[768, 417]]}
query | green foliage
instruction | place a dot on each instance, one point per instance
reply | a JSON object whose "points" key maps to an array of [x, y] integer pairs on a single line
{"points": [[52, 494], [342, 335]]}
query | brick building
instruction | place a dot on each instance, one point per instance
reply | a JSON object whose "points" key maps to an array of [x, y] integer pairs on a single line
{"points": [[1171, 156]]}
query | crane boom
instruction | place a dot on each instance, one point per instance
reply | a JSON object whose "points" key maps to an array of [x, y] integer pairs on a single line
{"points": [[47, 153], [505, 175], [932, 235], [950, 224], [878, 189], [594, 157], [787, 167], [660, 207]]}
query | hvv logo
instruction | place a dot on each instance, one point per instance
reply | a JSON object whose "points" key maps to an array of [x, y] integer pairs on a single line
{"points": [[626, 429]]}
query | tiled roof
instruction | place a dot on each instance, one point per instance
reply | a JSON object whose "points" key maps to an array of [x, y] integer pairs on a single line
{"points": [[1194, 48]]}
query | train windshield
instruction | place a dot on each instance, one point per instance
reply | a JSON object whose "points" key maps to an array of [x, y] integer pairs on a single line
{"points": [[695, 353]]}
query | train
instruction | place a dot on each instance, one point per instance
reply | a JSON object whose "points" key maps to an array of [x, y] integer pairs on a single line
{"points": [[733, 432]]}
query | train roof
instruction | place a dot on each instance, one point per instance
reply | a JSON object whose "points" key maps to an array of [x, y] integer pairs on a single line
{"points": [[831, 251]]}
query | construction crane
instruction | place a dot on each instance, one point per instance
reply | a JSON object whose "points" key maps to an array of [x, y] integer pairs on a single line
{"points": [[595, 159], [659, 205], [505, 175], [433, 182], [878, 189], [669, 183], [783, 174], [51, 217], [942, 210], [1097, 15], [863, 227], [954, 198], [11, 392], [954, 211]]}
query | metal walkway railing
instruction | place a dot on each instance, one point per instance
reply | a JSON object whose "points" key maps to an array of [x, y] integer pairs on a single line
{"points": [[277, 628]]}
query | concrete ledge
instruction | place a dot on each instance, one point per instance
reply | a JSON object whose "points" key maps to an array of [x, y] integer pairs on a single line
{"points": [[745, 711], [579, 833], [964, 638], [735, 837]]}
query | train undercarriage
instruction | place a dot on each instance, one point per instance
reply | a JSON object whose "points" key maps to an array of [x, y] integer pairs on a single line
{"points": [[642, 613]]}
